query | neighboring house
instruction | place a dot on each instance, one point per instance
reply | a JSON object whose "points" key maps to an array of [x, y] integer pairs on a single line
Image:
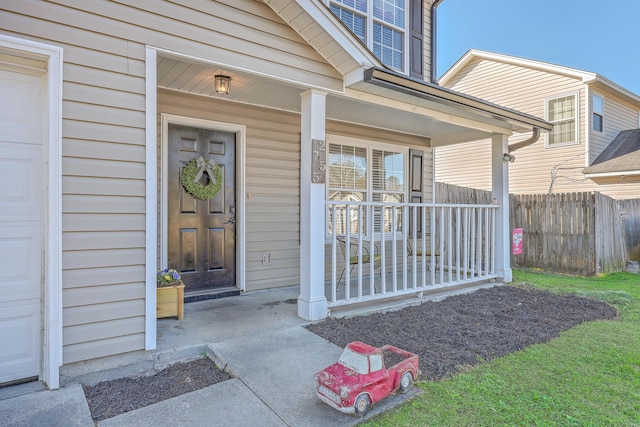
{"points": [[590, 148], [104, 103]]}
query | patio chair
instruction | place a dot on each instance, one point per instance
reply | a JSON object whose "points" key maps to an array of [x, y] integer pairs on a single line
{"points": [[411, 251], [353, 259]]}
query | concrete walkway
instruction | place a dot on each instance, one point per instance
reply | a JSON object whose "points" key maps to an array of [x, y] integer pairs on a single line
{"points": [[258, 338], [65, 407]]}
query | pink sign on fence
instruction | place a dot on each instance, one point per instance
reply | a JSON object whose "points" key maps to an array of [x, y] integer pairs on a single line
{"points": [[516, 241]]}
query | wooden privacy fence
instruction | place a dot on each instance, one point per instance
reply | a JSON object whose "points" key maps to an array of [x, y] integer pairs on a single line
{"points": [[630, 213], [574, 233], [559, 231]]}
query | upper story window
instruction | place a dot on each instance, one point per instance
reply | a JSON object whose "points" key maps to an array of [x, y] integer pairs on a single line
{"points": [[380, 24], [598, 112], [562, 112]]}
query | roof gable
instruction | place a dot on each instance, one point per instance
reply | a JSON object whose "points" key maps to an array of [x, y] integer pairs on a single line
{"points": [[319, 27], [586, 77]]}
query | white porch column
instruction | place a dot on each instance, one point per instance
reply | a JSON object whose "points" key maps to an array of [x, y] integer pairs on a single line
{"points": [[312, 303], [500, 192]]}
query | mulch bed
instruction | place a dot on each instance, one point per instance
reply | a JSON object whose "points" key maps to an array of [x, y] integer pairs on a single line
{"points": [[110, 398], [461, 331], [449, 336]]}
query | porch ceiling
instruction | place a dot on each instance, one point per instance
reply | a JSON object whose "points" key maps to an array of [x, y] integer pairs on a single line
{"points": [[366, 105]]}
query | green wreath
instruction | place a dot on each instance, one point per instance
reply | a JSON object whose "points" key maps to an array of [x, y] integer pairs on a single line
{"points": [[197, 190]]}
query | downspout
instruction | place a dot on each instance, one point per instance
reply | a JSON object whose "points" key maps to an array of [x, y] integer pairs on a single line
{"points": [[518, 145], [434, 74]]}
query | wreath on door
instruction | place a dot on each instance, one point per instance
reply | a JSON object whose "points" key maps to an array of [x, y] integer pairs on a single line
{"points": [[191, 174]]}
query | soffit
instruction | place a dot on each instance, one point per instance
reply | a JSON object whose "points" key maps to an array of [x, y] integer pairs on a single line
{"points": [[364, 104], [197, 78]]}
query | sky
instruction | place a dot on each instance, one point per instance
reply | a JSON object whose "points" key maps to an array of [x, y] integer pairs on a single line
{"points": [[600, 36]]}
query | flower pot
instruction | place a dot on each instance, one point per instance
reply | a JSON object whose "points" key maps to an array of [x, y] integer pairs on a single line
{"points": [[170, 301]]}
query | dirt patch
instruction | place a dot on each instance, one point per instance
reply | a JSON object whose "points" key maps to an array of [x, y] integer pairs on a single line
{"points": [[461, 331], [110, 398], [392, 358]]}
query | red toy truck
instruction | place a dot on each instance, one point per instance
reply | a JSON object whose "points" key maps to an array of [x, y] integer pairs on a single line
{"points": [[364, 375]]}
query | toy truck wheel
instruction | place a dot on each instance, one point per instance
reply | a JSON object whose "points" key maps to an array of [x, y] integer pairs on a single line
{"points": [[405, 382], [361, 404]]}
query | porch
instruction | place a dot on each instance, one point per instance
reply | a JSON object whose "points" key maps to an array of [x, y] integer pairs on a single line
{"points": [[283, 183]]}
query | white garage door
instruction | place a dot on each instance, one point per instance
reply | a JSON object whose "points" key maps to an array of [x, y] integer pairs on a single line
{"points": [[22, 194]]}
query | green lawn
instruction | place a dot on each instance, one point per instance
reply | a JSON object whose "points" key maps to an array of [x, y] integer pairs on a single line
{"points": [[589, 376]]}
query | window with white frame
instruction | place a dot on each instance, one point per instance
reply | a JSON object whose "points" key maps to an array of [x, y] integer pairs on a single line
{"points": [[562, 112], [366, 172], [598, 112], [380, 24]]}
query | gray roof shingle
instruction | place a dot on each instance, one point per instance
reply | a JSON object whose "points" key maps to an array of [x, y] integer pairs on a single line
{"points": [[621, 155]]}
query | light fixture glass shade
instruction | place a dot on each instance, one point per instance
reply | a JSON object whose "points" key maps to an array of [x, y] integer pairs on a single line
{"points": [[223, 83]]}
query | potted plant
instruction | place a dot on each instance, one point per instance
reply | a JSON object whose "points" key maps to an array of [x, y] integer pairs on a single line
{"points": [[169, 294]]}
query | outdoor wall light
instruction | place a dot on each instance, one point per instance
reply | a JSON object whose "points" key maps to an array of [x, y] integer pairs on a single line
{"points": [[222, 83], [508, 157]]}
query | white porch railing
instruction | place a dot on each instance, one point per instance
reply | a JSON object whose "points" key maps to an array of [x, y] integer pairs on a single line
{"points": [[383, 250]]}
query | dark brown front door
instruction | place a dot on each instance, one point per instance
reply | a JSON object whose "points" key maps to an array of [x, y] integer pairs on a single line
{"points": [[202, 233]]}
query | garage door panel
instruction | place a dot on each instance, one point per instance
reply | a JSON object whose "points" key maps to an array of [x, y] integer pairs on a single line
{"points": [[20, 183], [19, 354], [20, 249], [21, 108]]}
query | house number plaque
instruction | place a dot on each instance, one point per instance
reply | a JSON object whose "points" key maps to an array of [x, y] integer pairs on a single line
{"points": [[318, 161]]}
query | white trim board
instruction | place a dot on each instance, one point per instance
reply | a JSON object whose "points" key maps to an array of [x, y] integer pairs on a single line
{"points": [[151, 196], [51, 356]]}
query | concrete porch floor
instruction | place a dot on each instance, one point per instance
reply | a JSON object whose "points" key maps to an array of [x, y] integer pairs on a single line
{"points": [[216, 320]]}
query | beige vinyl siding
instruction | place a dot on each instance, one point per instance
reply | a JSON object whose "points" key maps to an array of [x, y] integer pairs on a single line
{"points": [[103, 129], [245, 34], [618, 116], [426, 46], [536, 168], [620, 190]]}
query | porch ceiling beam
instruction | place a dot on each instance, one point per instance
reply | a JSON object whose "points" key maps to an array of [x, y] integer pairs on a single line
{"points": [[427, 112]]}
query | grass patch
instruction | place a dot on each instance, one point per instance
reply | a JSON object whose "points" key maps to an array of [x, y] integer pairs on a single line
{"points": [[589, 376]]}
